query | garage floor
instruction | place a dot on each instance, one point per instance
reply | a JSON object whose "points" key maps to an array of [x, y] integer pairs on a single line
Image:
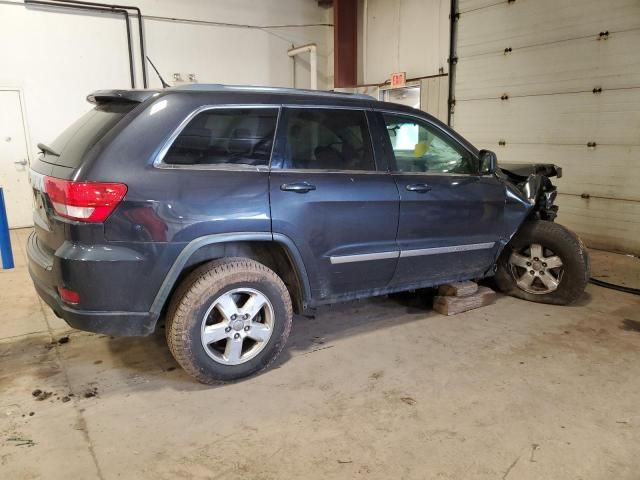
{"points": [[384, 388]]}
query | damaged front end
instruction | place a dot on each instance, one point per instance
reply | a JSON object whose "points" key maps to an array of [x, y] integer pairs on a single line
{"points": [[532, 180]]}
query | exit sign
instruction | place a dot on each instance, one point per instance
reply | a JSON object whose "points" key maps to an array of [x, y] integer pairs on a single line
{"points": [[398, 79]]}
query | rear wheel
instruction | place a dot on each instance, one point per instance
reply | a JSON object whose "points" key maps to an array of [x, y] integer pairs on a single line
{"points": [[229, 319], [544, 262]]}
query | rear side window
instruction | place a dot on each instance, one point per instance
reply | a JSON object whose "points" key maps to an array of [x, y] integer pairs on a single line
{"points": [[74, 143], [327, 139], [241, 136]]}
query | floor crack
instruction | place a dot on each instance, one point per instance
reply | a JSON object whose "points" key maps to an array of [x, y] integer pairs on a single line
{"points": [[510, 468], [81, 420]]}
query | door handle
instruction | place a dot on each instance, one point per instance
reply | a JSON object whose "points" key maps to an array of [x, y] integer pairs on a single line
{"points": [[22, 162], [299, 187], [418, 187]]}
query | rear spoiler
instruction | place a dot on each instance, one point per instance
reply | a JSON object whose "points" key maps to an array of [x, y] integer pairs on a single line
{"points": [[120, 96]]}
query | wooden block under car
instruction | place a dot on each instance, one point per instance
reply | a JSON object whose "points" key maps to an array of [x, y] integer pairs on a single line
{"points": [[447, 305], [458, 289]]}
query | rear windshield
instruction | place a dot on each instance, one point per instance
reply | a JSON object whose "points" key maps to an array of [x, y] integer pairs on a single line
{"points": [[74, 143]]}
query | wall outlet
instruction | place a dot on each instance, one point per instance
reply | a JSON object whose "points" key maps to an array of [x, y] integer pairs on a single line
{"points": [[184, 79]]}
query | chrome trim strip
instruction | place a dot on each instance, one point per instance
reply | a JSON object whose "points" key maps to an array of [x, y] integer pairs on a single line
{"points": [[435, 174], [303, 171], [158, 161], [363, 257], [227, 167], [452, 249], [326, 106], [418, 252]]}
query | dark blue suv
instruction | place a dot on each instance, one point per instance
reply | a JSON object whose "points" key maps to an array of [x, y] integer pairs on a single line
{"points": [[225, 209]]}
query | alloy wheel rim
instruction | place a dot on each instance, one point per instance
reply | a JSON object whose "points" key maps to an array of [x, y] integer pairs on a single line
{"points": [[536, 269], [237, 326]]}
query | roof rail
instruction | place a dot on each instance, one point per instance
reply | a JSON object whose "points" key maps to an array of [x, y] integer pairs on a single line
{"points": [[219, 87]]}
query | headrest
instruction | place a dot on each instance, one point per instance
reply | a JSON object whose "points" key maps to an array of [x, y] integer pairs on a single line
{"points": [[194, 139], [241, 141]]}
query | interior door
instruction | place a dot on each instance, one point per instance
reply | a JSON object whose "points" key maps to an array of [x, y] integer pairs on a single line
{"points": [[14, 161], [451, 217], [333, 201]]}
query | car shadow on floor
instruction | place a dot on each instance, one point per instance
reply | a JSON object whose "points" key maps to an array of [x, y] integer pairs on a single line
{"points": [[314, 331], [146, 362], [331, 322]]}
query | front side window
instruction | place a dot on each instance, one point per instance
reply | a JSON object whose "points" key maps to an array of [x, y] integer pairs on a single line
{"points": [[419, 147], [240, 136], [327, 139]]}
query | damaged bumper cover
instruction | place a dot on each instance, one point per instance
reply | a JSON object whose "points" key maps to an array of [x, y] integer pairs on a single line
{"points": [[532, 179], [524, 170]]}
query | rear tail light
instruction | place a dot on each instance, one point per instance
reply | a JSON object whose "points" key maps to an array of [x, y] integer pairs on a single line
{"points": [[69, 296], [84, 201]]}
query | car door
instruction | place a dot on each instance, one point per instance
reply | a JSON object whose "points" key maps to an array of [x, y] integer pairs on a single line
{"points": [[333, 200], [451, 216]]}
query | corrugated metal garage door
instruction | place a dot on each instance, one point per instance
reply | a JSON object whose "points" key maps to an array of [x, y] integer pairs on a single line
{"points": [[547, 57]]}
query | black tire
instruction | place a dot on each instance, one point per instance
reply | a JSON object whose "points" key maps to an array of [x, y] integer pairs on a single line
{"points": [[196, 294], [563, 243]]}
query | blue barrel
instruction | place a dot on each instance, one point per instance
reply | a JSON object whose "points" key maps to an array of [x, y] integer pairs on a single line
{"points": [[5, 239]]}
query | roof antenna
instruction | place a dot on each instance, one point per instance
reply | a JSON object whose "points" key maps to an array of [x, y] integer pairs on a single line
{"points": [[164, 84]]}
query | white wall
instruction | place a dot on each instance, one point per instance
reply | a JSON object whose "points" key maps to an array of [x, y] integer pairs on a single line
{"points": [[403, 36], [58, 56]]}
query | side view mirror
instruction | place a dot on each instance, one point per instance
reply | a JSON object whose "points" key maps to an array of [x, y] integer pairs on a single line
{"points": [[488, 162]]}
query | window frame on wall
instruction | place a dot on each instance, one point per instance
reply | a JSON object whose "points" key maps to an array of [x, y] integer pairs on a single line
{"points": [[159, 162], [435, 130], [278, 155], [384, 91]]}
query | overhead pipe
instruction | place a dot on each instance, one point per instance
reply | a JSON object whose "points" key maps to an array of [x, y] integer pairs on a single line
{"points": [[453, 60], [119, 11], [143, 55], [312, 48]]}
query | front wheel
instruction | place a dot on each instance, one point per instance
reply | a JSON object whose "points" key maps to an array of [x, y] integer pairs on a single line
{"points": [[544, 262], [228, 319]]}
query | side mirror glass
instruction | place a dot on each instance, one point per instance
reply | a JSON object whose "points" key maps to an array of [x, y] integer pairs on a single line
{"points": [[488, 162]]}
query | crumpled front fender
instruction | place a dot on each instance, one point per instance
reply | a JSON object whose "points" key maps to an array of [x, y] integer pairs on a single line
{"points": [[516, 210]]}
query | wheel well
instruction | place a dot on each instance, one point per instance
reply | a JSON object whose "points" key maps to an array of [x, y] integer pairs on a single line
{"points": [[271, 254]]}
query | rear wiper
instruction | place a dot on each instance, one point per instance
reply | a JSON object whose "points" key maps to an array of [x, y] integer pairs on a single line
{"points": [[48, 149]]}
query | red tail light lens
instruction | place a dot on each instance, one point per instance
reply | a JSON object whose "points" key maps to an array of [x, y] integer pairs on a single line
{"points": [[69, 296], [84, 201]]}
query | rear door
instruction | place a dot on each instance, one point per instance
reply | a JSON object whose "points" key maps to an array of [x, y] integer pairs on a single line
{"points": [[451, 216], [333, 200]]}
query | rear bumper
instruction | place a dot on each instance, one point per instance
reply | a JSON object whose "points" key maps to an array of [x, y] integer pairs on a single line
{"points": [[121, 324], [88, 275]]}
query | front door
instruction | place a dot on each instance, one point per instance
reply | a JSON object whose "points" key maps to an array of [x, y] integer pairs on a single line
{"points": [[451, 216], [333, 201], [14, 164]]}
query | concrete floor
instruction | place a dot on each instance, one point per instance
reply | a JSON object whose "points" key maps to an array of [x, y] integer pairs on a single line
{"points": [[379, 389]]}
